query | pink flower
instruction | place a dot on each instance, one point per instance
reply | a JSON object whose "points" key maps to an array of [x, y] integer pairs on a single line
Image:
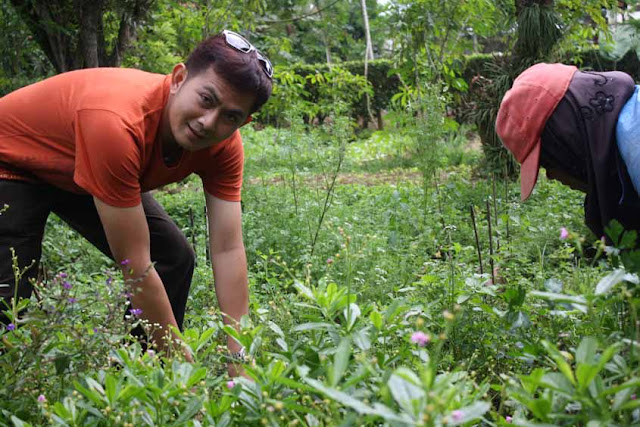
{"points": [[420, 338], [508, 419], [564, 233], [125, 262], [329, 261], [151, 353], [633, 396], [230, 384], [42, 399], [457, 415]]}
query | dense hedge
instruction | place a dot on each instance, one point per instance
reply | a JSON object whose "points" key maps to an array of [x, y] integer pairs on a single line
{"points": [[384, 83], [592, 59]]}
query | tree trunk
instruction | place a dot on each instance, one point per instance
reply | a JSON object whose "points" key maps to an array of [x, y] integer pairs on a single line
{"points": [[71, 32], [90, 13], [368, 54], [365, 19]]}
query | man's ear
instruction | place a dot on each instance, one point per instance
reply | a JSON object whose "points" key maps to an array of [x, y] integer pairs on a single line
{"points": [[178, 77], [249, 119]]}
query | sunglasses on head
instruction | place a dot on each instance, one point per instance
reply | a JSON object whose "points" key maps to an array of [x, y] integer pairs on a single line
{"points": [[243, 45]]}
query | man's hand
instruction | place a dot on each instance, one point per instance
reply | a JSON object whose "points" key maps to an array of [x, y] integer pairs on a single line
{"points": [[229, 265], [127, 232]]}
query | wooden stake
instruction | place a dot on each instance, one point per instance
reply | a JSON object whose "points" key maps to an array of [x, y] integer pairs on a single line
{"points": [[475, 232], [493, 275]]}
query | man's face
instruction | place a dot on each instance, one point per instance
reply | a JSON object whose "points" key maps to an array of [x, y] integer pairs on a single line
{"points": [[203, 110]]}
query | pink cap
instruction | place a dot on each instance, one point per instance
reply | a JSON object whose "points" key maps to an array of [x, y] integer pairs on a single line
{"points": [[524, 112]]}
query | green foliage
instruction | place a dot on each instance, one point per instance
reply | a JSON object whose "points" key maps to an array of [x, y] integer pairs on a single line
{"points": [[315, 87]]}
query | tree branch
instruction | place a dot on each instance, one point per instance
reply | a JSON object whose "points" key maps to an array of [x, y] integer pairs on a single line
{"points": [[301, 17]]}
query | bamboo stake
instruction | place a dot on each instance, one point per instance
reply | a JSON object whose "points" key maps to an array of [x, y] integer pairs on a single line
{"points": [[493, 275], [475, 232]]}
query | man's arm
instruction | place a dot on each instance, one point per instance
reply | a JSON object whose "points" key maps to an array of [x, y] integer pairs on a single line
{"points": [[127, 232], [229, 261]]}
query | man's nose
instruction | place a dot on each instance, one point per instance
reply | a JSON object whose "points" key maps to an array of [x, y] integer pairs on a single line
{"points": [[208, 120]]}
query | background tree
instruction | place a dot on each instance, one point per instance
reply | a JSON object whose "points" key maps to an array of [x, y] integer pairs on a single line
{"points": [[82, 33]]}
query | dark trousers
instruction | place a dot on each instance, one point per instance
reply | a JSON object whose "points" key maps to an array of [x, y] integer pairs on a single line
{"points": [[22, 228]]}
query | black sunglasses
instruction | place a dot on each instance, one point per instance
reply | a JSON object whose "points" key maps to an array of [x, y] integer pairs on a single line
{"points": [[241, 44]]}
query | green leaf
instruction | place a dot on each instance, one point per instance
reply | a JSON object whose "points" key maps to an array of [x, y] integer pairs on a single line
{"points": [[612, 279], [559, 360], [192, 408], [61, 363], [621, 397], [376, 319], [531, 382], [585, 373], [312, 326], [351, 314], [94, 385], [517, 320], [407, 391], [204, 338], [586, 352], [558, 382], [303, 290], [129, 392], [17, 422], [552, 296], [355, 404], [553, 285], [110, 388], [515, 296], [361, 339], [92, 395], [196, 376], [614, 230], [470, 413], [633, 382], [340, 361]]}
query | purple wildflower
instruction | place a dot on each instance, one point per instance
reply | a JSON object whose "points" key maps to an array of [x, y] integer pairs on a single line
{"points": [[457, 415], [420, 338], [151, 353], [62, 276], [508, 419], [72, 300], [564, 233], [125, 261], [230, 384], [42, 399], [66, 285], [109, 280], [11, 327], [136, 311], [633, 396]]}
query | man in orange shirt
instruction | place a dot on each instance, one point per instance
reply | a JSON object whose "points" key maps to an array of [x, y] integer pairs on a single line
{"points": [[90, 144]]}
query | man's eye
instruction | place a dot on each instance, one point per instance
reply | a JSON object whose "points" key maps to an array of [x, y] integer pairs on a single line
{"points": [[232, 118], [206, 99]]}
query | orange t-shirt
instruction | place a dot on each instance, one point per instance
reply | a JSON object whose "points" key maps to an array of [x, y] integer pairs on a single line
{"points": [[94, 131]]}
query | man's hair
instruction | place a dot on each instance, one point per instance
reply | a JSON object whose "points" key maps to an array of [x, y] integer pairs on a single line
{"points": [[241, 70]]}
